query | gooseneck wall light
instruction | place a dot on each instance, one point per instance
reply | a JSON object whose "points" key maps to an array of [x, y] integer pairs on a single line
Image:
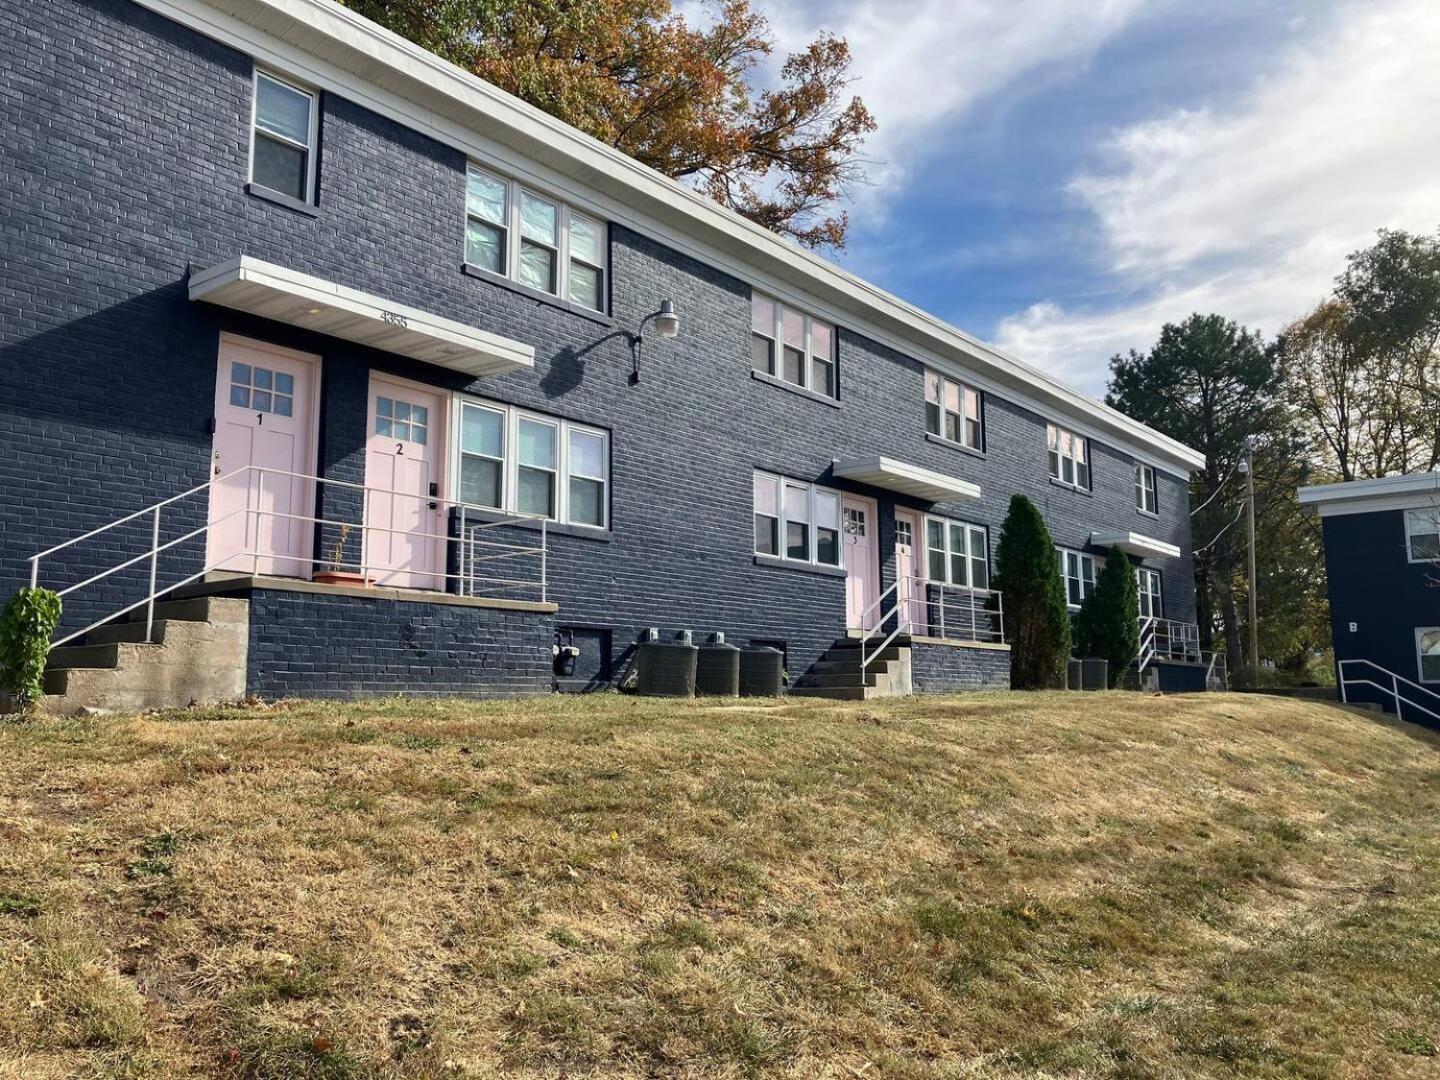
{"points": [[667, 325]]}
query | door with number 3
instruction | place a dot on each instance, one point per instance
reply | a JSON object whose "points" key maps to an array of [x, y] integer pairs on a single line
{"points": [[404, 544]]}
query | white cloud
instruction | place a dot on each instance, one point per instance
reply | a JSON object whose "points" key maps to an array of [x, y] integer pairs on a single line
{"points": [[1249, 209], [921, 66]]}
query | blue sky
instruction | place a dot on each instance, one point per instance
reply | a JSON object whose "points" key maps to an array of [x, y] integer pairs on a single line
{"points": [[1062, 177]]}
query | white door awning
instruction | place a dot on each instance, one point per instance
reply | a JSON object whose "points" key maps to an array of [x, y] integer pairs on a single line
{"points": [[1133, 543], [288, 296], [892, 475]]}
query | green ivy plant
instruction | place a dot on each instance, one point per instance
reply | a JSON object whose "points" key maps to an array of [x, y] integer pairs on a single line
{"points": [[26, 626]]}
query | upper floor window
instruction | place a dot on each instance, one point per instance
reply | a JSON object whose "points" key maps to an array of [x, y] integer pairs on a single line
{"points": [[1078, 570], [525, 463], [537, 241], [952, 410], [1069, 456], [1147, 582], [1422, 534], [1145, 500], [796, 520], [282, 138], [792, 346], [956, 553]]}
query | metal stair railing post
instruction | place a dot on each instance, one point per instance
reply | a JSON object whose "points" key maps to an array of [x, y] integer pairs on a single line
{"points": [[868, 632], [1393, 689]]}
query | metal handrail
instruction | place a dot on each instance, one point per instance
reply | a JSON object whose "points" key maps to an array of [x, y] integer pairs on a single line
{"points": [[156, 548], [975, 606], [903, 623], [1393, 690]]}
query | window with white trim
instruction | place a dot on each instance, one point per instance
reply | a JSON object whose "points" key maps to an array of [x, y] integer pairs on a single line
{"points": [[797, 521], [1078, 569], [521, 462], [952, 410], [1422, 534], [1069, 456], [1427, 652], [792, 346], [956, 553], [533, 239], [1145, 496], [1147, 583], [283, 124]]}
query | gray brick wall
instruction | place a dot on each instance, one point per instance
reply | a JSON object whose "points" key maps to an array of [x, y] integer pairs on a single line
{"points": [[324, 646], [125, 163], [938, 668]]}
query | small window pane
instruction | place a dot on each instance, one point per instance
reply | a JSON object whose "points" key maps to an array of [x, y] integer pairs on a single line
{"points": [[402, 431], [587, 501], [585, 284], [283, 405], [1428, 642], [280, 167], [420, 414], [952, 397], [384, 406], [536, 494], [240, 373], [537, 266], [797, 503], [793, 328], [827, 546], [282, 110], [767, 534], [538, 219], [822, 377], [822, 341], [537, 444], [584, 240], [402, 410], [937, 565], [240, 395], [485, 196], [762, 354], [797, 540], [263, 378], [284, 383], [932, 387], [418, 434], [762, 315], [767, 496], [383, 426], [260, 401], [827, 510], [482, 431], [587, 454], [479, 481], [794, 365], [932, 417], [485, 246]]}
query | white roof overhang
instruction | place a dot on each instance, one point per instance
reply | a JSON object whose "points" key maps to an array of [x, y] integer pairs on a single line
{"points": [[1412, 491], [1133, 543], [892, 475], [288, 296]]}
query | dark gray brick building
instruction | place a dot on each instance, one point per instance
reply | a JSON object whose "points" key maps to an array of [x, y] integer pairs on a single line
{"points": [[245, 249]]}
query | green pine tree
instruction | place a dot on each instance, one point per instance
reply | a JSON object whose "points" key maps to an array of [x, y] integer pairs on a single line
{"points": [[1037, 624], [1108, 625]]}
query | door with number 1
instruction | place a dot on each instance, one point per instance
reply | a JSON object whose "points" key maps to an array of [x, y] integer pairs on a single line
{"points": [[404, 542]]}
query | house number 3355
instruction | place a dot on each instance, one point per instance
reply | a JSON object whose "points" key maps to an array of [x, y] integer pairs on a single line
{"points": [[394, 318]]}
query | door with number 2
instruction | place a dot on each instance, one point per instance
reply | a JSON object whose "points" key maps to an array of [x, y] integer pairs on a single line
{"points": [[404, 473]]}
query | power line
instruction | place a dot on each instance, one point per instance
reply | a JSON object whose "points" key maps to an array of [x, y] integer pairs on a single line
{"points": [[1216, 538], [1218, 488]]}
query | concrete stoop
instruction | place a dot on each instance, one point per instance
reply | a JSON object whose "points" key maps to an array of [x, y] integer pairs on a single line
{"points": [[197, 656], [837, 673]]}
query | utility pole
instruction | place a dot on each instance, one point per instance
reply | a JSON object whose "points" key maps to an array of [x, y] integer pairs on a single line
{"points": [[1247, 465]]}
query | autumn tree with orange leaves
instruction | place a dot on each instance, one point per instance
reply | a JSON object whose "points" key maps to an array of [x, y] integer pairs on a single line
{"points": [[680, 98]]}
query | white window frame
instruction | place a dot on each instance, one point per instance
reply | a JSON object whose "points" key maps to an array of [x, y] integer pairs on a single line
{"points": [[944, 381], [1420, 657], [514, 190], [1432, 515], [510, 463], [785, 485], [807, 363], [311, 151], [1057, 459], [1147, 492], [1142, 575], [969, 530], [1082, 557]]}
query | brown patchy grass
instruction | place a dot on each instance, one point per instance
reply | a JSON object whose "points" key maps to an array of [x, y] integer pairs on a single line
{"points": [[986, 885]]}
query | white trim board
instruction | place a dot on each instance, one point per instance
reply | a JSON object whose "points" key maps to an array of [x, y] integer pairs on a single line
{"points": [[334, 49], [1409, 492]]}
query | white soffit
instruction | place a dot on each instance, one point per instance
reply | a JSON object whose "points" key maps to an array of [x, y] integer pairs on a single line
{"points": [[288, 296], [1368, 496], [892, 475], [1133, 543], [337, 49]]}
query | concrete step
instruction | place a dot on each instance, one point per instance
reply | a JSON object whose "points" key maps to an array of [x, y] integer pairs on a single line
{"points": [[843, 678], [838, 693], [132, 632], [839, 655], [211, 609], [84, 656]]}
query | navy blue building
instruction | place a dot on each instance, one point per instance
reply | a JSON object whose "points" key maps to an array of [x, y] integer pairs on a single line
{"points": [[435, 382], [1382, 559]]}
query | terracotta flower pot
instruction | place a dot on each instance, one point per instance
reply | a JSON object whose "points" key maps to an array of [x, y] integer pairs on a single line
{"points": [[342, 577]]}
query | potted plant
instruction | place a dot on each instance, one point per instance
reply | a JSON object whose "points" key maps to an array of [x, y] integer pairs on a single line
{"points": [[335, 575]]}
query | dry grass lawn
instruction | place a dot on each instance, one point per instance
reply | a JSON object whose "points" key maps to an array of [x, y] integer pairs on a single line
{"points": [[986, 885]]}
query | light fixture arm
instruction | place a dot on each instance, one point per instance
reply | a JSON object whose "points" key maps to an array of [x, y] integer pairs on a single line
{"points": [[637, 337]]}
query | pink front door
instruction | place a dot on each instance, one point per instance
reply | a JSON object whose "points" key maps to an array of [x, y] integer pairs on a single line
{"points": [[263, 453], [404, 543], [910, 590], [861, 569]]}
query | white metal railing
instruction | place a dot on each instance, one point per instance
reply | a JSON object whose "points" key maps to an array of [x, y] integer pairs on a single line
{"points": [[1431, 708], [1217, 675], [914, 612], [474, 549], [1168, 639]]}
